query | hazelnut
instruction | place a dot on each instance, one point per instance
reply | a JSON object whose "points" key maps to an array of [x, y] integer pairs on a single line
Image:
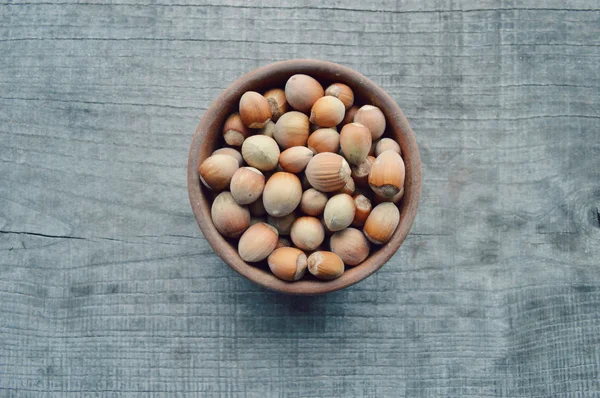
{"points": [[247, 185], [255, 110], [363, 209], [261, 152], [341, 92], [291, 130], [387, 174], [387, 144], [349, 117], [325, 265], [283, 225], [313, 202], [268, 130], [371, 158], [394, 199], [307, 233], [324, 140], [355, 141], [302, 91], [339, 212], [278, 103], [283, 242], [257, 208], [216, 171], [327, 172], [295, 159], [351, 245], [327, 112], [360, 173], [382, 223], [234, 153], [257, 242], [288, 263], [234, 131], [282, 194], [230, 219], [314, 127], [349, 187], [328, 232], [371, 117]]}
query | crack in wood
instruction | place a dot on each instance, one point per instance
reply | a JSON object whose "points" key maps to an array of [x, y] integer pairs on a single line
{"points": [[42, 235]]}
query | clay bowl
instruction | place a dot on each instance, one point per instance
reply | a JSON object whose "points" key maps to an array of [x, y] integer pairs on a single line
{"points": [[207, 138]]}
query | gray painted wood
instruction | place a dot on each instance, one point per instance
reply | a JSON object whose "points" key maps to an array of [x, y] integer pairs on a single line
{"points": [[108, 288]]}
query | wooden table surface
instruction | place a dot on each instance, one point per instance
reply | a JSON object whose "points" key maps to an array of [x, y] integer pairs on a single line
{"points": [[108, 288]]}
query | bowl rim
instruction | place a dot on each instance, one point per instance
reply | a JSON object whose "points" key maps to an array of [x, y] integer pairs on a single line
{"points": [[214, 117]]}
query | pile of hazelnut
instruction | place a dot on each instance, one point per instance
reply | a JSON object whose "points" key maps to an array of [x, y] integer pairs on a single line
{"points": [[303, 181]]}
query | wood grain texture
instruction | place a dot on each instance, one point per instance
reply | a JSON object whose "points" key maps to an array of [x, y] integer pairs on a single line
{"points": [[107, 288]]}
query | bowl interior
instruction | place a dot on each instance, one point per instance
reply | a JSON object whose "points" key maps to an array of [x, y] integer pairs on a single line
{"points": [[208, 137]]}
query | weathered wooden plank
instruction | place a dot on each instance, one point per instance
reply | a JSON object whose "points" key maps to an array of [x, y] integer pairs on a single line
{"points": [[108, 288]]}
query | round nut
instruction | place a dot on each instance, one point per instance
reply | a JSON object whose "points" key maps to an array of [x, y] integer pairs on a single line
{"points": [[283, 242], [327, 172], [387, 174], [382, 223], [291, 130], [371, 117], [377, 199], [268, 130], [387, 144], [234, 131], [313, 202], [327, 112], [230, 219], [282, 194], [307, 233], [302, 91], [341, 92], [283, 225], [288, 263], [325, 265], [295, 159], [216, 171], [349, 187], [234, 153], [277, 101], [247, 185], [255, 110], [349, 117], [355, 141], [360, 173], [363, 209], [257, 242], [324, 140], [339, 212], [257, 208], [351, 245], [261, 152]]}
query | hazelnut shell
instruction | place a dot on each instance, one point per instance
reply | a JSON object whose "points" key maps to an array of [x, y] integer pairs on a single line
{"points": [[257, 242], [327, 172], [325, 265], [230, 219], [288, 263]]}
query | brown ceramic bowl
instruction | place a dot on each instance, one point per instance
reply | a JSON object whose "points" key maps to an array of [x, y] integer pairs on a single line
{"points": [[208, 137]]}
